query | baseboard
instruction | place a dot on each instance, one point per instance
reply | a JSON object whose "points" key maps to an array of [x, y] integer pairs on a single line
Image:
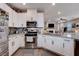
{"points": [[31, 48]]}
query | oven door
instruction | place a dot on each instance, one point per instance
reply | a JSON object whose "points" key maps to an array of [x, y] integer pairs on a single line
{"points": [[30, 39]]}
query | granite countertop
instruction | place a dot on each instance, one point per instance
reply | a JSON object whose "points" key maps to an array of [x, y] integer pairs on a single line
{"points": [[11, 35], [70, 35]]}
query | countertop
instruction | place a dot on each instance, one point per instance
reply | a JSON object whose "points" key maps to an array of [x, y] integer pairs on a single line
{"points": [[12, 35], [65, 35]]}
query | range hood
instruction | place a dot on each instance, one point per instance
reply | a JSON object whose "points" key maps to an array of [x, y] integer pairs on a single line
{"points": [[32, 13]]}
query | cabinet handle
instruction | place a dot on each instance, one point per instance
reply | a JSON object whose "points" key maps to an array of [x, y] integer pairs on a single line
{"points": [[13, 43], [13, 24], [52, 42], [22, 24], [63, 45], [45, 40], [67, 40]]}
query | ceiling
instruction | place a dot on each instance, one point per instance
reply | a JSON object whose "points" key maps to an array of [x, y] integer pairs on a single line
{"points": [[51, 11], [38, 6]]}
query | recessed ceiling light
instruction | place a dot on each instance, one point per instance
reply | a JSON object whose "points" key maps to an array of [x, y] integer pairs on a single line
{"points": [[24, 3], [53, 4], [59, 12]]}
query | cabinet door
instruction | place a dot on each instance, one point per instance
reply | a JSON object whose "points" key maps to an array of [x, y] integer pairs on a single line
{"points": [[59, 45], [52, 43], [21, 41], [40, 20], [44, 42], [40, 41], [15, 19], [16, 41], [10, 46], [47, 42], [21, 21], [69, 47], [56, 45], [11, 21]]}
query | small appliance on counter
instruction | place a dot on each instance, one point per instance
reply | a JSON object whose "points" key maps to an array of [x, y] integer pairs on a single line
{"points": [[50, 25]]}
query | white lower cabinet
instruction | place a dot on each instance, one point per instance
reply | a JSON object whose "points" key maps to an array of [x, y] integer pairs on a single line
{"points": [[57, 45], [60, 45], [21, 39], [68, 47], [15, 42], [40, 41], [10, 46], [47, 43]]}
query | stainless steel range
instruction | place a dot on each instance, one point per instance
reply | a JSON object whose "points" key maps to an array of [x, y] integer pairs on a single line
{"points": [[31, 35]]}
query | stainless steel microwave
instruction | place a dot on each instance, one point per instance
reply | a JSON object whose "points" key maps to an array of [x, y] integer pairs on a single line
{"points": [[31, 24]]}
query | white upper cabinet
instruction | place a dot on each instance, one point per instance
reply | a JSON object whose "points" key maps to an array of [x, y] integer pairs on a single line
{"points": [[11, 19], [15, 19], [11, 12], [21, 19], [40, 20], [31, 14]]}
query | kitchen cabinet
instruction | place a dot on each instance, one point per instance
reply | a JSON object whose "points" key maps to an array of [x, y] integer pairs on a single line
{"points": [[22, 18], [21, 39], [57, 45], [10, 46], [63, 46], [68, 48], [40, 20], [54, 44], [15, 18], [47, 42], [10, 11], [13, 46], [40, 41], [31, 14], [11, 21], [15, 42], [60, 45]]}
